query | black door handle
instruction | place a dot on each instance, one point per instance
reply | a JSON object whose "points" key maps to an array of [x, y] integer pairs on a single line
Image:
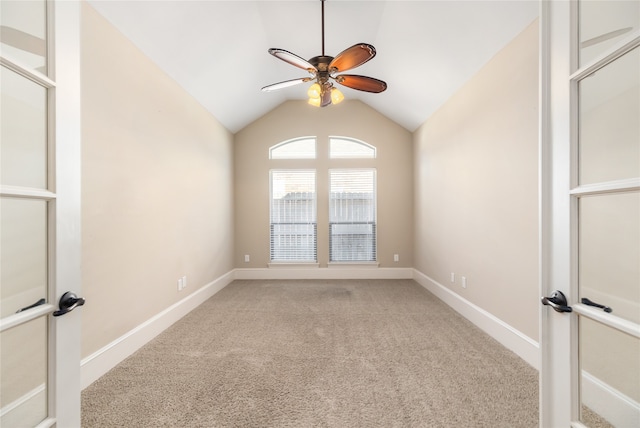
{"points": [[557, 301], [38, 303], [68, 302], [588, 302]]}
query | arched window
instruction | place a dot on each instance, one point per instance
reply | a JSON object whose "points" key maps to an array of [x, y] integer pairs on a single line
{"points": [[298, 148], [350, 148], [351, 199]]}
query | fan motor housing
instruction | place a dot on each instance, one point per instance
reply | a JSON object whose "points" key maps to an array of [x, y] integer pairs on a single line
{"points": [[321, 62]]}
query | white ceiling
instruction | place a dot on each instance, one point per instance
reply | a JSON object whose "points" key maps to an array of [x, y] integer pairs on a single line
{"points": [[217, 50]]}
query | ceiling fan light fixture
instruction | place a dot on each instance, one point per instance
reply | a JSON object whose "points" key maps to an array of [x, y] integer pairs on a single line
{"points": [[314, 91], [314, 102], [336, 96], [325, 99]]}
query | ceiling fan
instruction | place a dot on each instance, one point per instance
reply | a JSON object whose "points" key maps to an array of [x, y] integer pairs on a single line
{"points": [[324, 71]]}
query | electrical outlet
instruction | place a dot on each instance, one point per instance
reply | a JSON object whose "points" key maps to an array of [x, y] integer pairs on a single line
{"points": [[184, 282], [464, 282], [247, 259], [453, 277], [180, 284], [396, 258]]}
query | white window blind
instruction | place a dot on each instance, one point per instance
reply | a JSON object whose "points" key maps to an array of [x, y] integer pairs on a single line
{"points": [[293, 216], [352, 215]]}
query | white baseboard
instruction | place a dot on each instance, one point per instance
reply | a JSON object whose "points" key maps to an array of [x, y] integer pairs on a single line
{"points": [[350, 272], [103, 360], [618, 409], [525, 347]]}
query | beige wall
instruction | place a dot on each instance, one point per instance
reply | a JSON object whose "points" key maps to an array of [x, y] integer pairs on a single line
{"points": [[348, 119], [156, 188], [162, 179], [476, 188]]}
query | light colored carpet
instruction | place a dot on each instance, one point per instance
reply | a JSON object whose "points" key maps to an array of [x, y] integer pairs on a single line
{"points": [[352, 353]]}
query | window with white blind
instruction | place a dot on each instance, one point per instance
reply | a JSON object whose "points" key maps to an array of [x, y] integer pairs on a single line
{"points": [[352, 215], [293, 215]]}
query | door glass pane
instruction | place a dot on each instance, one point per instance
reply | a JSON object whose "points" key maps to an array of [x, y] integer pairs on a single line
{"points": [[23, 131], [23, 369], [610, 381], [610, 121], [23, 259], [23, 31], [609, 252], [603, 24]]}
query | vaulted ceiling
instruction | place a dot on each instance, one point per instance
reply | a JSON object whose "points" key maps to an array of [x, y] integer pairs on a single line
{"points": [[217, 50]]}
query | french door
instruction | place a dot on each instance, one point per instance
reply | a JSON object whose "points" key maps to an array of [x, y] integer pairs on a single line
{"points": [[590, 152], [39, 214]]}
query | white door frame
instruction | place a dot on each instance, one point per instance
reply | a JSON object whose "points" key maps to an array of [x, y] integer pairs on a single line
{"points": [[63, 216], [556, 386], [63, 197], [559, 365], [65, 330]]}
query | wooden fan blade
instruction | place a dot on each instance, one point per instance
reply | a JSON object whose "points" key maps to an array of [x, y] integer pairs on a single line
{"points": [[352, 57], [23, 41], [361, 83], [285, 84], [292, 59]]}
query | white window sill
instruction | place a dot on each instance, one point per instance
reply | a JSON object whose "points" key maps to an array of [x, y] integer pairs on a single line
{"points": [[286, 265], [351, 265]]}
